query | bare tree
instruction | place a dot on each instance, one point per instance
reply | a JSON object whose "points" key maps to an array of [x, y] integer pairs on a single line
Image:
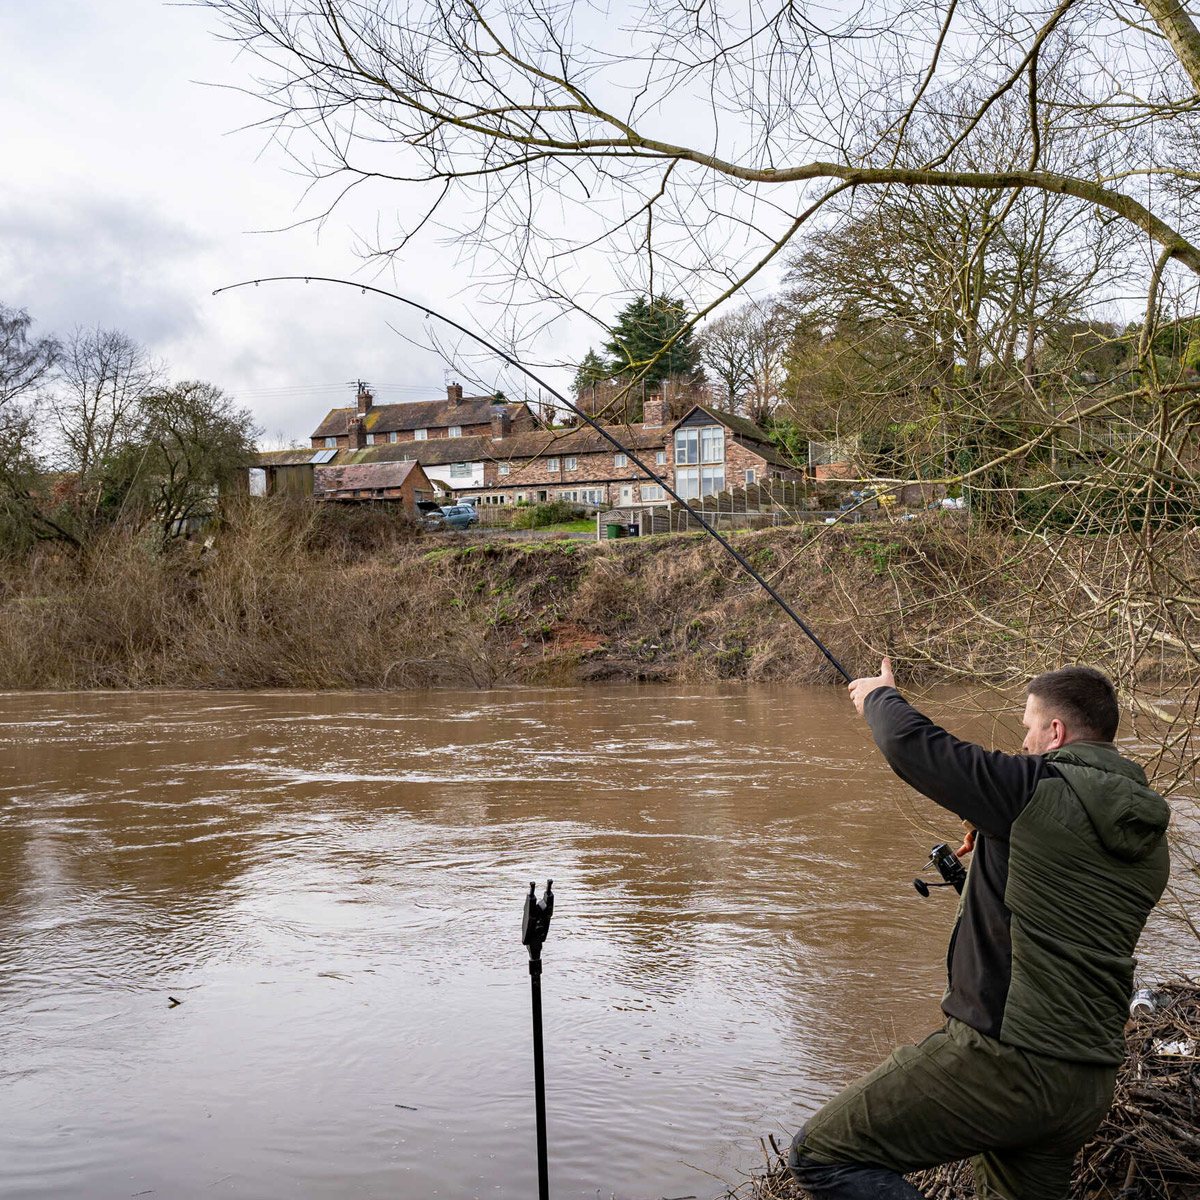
{"points": [[746, 350], [103, 376]]}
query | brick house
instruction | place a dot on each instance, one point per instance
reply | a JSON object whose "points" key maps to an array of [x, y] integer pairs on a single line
{"points": [[509, 460], [371, 424], [403, 481]]}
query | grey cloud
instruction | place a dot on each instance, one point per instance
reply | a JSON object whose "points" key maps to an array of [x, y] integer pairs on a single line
{"points": [[85, 261]]}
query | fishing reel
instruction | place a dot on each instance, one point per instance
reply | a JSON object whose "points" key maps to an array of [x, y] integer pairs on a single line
{"points": [[953, 873], [536, 922]]}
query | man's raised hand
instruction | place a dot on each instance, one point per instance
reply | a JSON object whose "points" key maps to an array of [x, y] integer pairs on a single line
{"points": [[860, 689]]}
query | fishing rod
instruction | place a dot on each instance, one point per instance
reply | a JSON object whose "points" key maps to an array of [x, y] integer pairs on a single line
{"points": [[608, 437]]}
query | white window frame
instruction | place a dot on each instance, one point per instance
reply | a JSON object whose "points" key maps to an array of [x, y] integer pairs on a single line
{"points": [[687, 482], [456, 431], [751, 475], [712, 443], [687, 447], [393, 436], [503, 468], [651, 491], [420, 435], [330, 443], [620, 460], [461, 470], [552, 464], [712, 480], [571, 464], [660, 458]]}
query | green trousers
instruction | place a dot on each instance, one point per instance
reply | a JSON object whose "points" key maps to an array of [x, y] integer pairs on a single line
{"points": [[1020, 1117]]}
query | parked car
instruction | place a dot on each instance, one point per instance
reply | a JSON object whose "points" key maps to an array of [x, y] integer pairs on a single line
{"points": [[459, 516]]}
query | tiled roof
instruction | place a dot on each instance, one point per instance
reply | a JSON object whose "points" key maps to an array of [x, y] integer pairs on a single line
{"points": [[285, 458], [537, 443], [343, 477], [742, 426], [419, 414], [767, 453]]}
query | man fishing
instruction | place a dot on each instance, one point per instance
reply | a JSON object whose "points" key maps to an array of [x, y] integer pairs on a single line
{"points": [[1070, 856]]}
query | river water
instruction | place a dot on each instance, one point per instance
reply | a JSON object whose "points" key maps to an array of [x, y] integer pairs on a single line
{"points": [[331, 887]]}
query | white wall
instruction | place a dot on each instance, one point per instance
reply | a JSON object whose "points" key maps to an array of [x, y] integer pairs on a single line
{"points": [[442, 475]]}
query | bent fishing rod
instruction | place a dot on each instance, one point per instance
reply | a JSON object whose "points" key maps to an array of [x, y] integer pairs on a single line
{"points": [[604, 433]]}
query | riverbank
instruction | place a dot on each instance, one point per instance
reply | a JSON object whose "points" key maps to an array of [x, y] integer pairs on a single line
{"points": [[286, 598]]}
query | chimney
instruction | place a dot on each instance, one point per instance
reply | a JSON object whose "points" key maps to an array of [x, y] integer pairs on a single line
{"points": [[357, 438], [364, 400], [654, 410], [454, 393], [501, 423]]}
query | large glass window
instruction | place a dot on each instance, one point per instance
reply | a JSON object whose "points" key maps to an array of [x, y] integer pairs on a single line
{"points": [[687, 446], [460, 470], [687, 483], [712, 444], [712, 480], [651, 491]]}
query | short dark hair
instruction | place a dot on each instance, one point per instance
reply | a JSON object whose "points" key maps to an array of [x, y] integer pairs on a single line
{"points": [[1083, 697]]}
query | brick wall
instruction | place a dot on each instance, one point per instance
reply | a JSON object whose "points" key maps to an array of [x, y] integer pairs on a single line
{"points": [[591, 470]]}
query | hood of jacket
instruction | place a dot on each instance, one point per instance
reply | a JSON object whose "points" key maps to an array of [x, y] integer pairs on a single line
{"points": [[1129, 817]]}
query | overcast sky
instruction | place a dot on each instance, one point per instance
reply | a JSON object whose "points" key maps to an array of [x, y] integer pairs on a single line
{"points": [[132, 191]]}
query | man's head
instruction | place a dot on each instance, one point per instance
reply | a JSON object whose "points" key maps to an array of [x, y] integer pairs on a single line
{"points": [[1072, 704]]}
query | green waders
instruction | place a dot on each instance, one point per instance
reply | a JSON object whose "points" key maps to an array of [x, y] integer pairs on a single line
{"points": [[1019, 1116]]}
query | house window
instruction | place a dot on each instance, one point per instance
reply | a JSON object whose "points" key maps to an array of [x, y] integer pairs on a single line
{"points": [[460, 470], [456, 431], [393, 436], [330, 443], [660, 458], [687, 483], [502, 468], [687, 446], [571, 463], [420, 434], [712, 444], [370, 439], [619, 460], [693, 482], [651, 491], [552, 464], [751, 475]]}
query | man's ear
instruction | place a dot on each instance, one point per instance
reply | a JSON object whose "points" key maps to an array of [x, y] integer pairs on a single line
{"points": [[1058, 733]]}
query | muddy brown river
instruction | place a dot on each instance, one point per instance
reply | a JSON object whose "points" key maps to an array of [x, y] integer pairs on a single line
{"points": [[331, 888]]}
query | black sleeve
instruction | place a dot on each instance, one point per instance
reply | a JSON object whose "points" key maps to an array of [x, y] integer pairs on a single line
{"points": [[985, 787]]}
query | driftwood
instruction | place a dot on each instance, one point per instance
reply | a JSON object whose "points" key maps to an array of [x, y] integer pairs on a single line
{"points": [[1148, 1147]]}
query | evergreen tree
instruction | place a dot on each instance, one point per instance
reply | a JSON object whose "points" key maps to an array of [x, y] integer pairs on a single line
{"points": [[590, 371], [640, 336]]}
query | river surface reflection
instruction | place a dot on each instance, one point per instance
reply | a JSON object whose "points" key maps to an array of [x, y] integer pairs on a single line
{"points": [[332, 887]]}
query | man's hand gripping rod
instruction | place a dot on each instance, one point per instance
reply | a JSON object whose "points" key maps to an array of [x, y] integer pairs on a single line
{"points": [[608, 437]]}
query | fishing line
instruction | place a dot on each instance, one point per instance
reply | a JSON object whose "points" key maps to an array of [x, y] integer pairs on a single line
{"points": [[608, 437]]}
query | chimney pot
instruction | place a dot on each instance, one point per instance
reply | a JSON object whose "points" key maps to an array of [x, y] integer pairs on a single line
{"points": [[364, 401], [454, 393]]}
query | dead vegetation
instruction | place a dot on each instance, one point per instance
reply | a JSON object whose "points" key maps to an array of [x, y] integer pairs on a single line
{"points": [[293, 597], [1148, 1147]]}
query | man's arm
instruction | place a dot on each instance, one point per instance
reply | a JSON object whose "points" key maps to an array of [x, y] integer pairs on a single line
{"points": [[985, 787]]}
